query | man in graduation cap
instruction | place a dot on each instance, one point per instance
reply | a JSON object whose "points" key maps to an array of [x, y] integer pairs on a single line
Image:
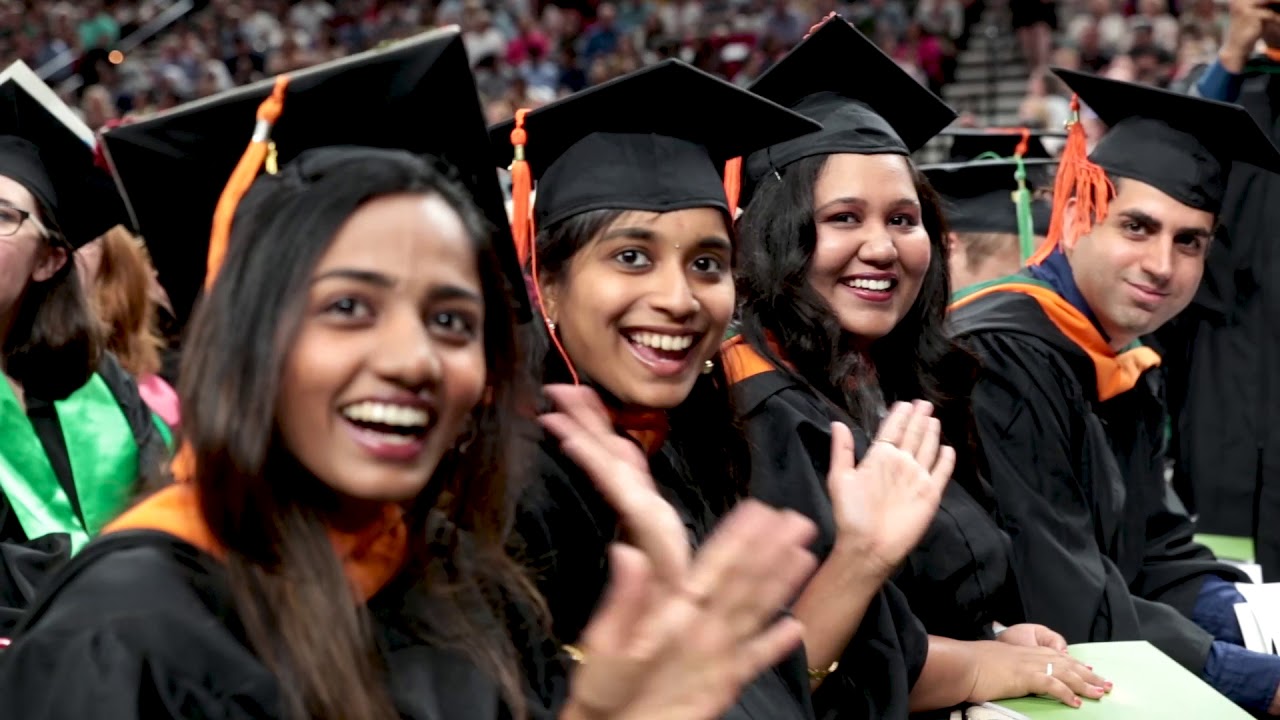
{"points": [[1226, 435], [990, 191], [1069, 406]]}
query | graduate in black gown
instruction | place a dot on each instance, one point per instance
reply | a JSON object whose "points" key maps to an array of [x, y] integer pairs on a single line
{"points": [[75, 437], [633, 260], [354, 425], [994, 202], [843, 293], [1069, 405]]}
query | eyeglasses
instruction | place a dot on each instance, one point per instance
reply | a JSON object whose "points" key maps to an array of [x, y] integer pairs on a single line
{"points": [[12, 219]]}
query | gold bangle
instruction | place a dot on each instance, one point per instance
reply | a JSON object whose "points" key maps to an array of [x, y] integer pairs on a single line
{"points": [[822, 674], [575, 654]]}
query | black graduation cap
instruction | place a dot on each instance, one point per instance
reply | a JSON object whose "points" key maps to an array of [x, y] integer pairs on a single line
{"points": [[979, 196], [867, 104], [656, 139], [1181, 145], [48, 150], [416, 95], [968, 143]]}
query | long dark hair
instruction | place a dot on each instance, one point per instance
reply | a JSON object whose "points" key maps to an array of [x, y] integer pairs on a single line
{"points": [[55, 342], [705, 433], [916, 360], [262, 505]]}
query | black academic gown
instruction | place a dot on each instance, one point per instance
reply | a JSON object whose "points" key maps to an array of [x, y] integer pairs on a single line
{"points": [[564, 528], [1224, 356], [957, 580], [1101, 548], [25, 562], [141, 625]]}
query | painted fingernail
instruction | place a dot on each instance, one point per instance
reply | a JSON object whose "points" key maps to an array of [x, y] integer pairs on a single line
{"points": [[1075, 702], [1108, 685]]}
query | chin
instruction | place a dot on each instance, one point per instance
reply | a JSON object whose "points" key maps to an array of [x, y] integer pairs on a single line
{"points": [[663, 396]]}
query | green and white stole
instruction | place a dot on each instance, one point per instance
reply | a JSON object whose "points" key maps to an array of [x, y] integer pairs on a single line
{"points": [[103, 456]]}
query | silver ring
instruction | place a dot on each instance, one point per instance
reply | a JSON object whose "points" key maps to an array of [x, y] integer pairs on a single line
{"points": [[1049, 670]]}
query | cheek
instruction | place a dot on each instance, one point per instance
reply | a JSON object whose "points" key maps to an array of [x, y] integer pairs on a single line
{"points": [[831, 253], [718, 302], [915, 252], [465, 374]]}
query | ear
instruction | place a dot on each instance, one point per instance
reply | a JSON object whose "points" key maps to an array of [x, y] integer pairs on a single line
{"points": [[1069, 235], [549, 291], [953, 244], [51, 261]]}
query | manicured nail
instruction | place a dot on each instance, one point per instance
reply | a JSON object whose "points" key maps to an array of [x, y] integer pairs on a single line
{"points": [[1075, 702]]}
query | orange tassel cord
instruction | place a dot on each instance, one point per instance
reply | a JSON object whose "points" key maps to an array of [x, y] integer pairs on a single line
{"points": [[523, 232], [242, 177], [1079, 178], [733, 184]]}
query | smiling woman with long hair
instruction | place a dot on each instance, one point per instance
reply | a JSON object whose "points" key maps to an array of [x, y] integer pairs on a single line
{"points": [[335, 545], [843, 295], [632, 269]]}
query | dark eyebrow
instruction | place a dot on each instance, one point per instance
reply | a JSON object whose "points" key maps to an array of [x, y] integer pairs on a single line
{"points": [[368, 277], [711, 242], [1150, 224], [913, 202]]}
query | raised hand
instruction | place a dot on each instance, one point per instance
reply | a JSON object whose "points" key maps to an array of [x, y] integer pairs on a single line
{"points": [[884, 504], [655, 654], [620, 471]]}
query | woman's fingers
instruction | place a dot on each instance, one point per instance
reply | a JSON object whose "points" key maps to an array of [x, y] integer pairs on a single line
{"points": [[583, 405], [917, 427], [930, 444], [895, 424]]}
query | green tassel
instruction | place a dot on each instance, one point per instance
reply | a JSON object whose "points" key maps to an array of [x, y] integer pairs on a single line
{"points": [[1022, 202]]}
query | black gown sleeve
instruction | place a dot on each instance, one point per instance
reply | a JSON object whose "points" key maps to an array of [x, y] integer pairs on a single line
{"points": [[1029, 412], [790, 447]]}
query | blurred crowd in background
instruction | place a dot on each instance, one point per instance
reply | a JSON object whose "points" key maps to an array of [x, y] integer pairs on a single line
{"points": [[528, 52]]}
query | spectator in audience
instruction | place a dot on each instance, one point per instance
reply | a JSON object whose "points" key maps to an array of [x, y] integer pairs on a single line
{"points": [[1154, 17], [1107, 26]]}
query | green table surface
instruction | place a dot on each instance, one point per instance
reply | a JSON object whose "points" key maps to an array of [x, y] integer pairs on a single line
{"points": [[1148, 685], [1228, 547]]}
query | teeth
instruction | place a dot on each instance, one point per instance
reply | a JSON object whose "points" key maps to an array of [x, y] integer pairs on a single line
{"points": [[868, 284], [662, 342], [387, 414]]}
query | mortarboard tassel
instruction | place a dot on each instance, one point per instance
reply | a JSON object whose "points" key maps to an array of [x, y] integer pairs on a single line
{"points": [[1022, 200], [523, 231], [733, 184], [1080, 178], [521, 190], [260, 150], [242, 177]]}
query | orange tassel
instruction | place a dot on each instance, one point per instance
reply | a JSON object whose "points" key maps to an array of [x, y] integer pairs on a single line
{"points": [[521, 190], [1021, 150], [242, 177], [1080, 178], [733, 184]]}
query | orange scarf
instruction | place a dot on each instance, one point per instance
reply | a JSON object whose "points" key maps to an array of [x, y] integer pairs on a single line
{"points": [[1115, 373], [370, 557], [647, 427]]}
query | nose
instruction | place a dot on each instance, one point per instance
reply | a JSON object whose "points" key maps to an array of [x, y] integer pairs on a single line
{"points": [[878, 249], [406, 354], [1157, 262], [672, 293]]}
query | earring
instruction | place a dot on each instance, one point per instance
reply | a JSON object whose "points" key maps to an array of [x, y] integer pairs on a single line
{"points": [[551, 325], [465, 439], [707, 367]]}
